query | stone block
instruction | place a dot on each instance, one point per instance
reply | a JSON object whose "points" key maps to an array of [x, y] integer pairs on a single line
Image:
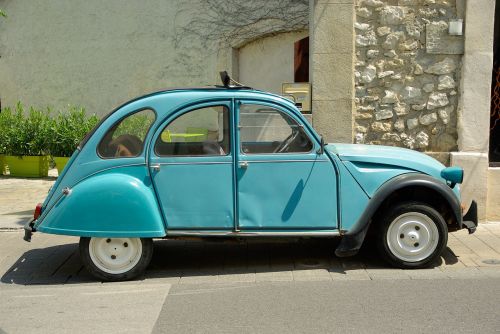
{"points": [[390, 97], [438, 41], [428, 119], [381, 126], [479, 26], [474, 116], [437, 100], [383, 114], [366, 39], [333, 28], [392, 15], [493, 202], [368, 74], [475, 167], [446, 66], [334, 119], [446, 82], [332, 76], [422, 140], [364, 12]]}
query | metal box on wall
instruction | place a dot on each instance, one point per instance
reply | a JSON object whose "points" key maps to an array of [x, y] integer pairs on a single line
{"points": [[299, 93]]}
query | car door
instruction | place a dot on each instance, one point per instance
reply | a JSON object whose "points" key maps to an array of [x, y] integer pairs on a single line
{"points": [[283, 183], [192, 168]]}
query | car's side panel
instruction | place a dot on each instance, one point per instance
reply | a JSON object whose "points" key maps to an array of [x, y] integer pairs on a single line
{"points": [[372, 175], [285, 194], [353, 200], [196, 194], [119, 202]]}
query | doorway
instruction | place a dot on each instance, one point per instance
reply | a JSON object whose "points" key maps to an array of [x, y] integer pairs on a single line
{"points": [[494, 152]]}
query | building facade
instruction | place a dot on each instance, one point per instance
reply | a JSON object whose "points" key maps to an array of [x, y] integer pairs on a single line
{"points": [[410, 73]]}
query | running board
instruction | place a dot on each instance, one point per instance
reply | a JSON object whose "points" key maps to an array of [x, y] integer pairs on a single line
{"points": [[187, 233]]}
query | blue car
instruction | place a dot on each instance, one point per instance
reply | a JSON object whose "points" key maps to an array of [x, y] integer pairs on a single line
{"points": [[233, 162]]}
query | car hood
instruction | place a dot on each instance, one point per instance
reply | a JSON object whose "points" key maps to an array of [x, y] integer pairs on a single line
{"points": [[388, 156]]}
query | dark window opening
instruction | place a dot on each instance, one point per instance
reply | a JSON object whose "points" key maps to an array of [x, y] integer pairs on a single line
{"points": [[495, 96], [301, 60]]}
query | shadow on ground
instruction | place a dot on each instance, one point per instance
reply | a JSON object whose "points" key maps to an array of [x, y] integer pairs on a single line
{"points": [[174, 258]]}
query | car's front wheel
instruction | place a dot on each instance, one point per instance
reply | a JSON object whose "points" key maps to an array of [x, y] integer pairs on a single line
{"points": [[116, 259], [412, 235]]}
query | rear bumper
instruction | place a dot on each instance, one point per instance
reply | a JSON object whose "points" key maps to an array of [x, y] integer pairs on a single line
{"points": [[28, 230], [470, 219]]}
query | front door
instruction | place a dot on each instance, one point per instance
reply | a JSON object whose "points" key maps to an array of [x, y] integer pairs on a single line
{"points": [[283, 183], [192, 168]]}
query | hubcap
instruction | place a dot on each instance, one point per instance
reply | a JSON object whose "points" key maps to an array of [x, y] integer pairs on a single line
{"points": [[115, 255], [412, 237]]}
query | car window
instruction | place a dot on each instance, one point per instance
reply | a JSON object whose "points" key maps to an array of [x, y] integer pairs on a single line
{"points": [[265, 129], [199, 132], [125, 139]]}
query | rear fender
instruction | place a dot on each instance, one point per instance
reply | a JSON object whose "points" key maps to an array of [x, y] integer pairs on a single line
{"points": [[113, 204]]}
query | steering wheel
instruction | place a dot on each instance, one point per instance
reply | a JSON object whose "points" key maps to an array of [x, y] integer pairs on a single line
{"points": [[285, 143]]}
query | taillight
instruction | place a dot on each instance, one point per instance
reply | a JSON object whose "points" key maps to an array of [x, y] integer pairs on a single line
{"points": [[38, 211]]}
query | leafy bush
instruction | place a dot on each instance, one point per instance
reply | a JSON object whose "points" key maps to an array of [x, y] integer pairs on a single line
{"points": [[35, 133], [24, 135], [6, 119], [68, 129]]}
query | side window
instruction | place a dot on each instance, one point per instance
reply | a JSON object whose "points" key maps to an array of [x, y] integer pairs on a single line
{"points": [[199, 132], [267, 130], [126, 138]]}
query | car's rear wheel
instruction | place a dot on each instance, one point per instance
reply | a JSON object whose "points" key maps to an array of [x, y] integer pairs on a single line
{"points": [[412, 235], [116, 259]]}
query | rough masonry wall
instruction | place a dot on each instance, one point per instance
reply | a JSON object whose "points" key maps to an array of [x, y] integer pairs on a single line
{"points": [[406, 77]]}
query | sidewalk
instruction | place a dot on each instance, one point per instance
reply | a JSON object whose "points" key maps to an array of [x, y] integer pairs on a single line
{"points": [[19, 196], [52, 259]]}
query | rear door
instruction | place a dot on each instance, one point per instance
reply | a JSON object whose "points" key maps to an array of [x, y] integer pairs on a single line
{"points": [[192, 168]]}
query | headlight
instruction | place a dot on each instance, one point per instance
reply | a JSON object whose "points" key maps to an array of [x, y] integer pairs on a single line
{"points": [[453, 174]]}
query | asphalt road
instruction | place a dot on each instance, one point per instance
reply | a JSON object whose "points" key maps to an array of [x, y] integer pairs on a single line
{"points": [[385, 306], [368, 306]]}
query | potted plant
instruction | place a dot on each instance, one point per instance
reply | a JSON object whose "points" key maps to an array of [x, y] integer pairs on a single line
{"points": [[67, 130], [26, 149], [5, 124]]}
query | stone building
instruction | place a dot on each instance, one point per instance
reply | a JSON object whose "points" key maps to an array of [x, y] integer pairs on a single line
{"points": [[410, 73]]}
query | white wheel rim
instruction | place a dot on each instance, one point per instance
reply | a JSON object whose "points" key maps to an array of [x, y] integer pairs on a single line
{"points": [[115, 255], [412, 237]]}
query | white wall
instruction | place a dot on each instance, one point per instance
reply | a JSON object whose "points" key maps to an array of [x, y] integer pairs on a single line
{"points": [[97, 54], [268, 62]]}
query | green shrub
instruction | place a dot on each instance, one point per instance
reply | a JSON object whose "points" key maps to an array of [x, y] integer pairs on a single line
{"points": [[6, 118], [24, 135], [35, 133], [68, 129]]}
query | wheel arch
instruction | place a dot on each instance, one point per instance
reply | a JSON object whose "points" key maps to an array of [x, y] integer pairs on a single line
{"points": [[409, 186], [106, 205]]}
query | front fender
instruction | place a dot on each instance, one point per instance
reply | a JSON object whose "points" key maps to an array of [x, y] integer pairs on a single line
{"points": [[354, 237], [403, 181], [107, 205]]}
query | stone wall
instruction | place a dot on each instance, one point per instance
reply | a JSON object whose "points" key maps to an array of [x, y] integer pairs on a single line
{"points": [[407, 73]]}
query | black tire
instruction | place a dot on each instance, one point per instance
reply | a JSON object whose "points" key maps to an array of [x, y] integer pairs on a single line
{"points": [[397, 214], [138, 269]]}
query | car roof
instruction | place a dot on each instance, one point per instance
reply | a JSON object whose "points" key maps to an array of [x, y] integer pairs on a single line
{"points": [[208, 89]]}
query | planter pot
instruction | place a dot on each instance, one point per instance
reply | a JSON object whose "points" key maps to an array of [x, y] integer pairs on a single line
{"points": [[3, 164], [28, 166], [60, 163]]}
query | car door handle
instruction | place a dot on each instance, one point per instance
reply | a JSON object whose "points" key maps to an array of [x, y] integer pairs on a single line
{"points": [[243, 164], [155, 167]]}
